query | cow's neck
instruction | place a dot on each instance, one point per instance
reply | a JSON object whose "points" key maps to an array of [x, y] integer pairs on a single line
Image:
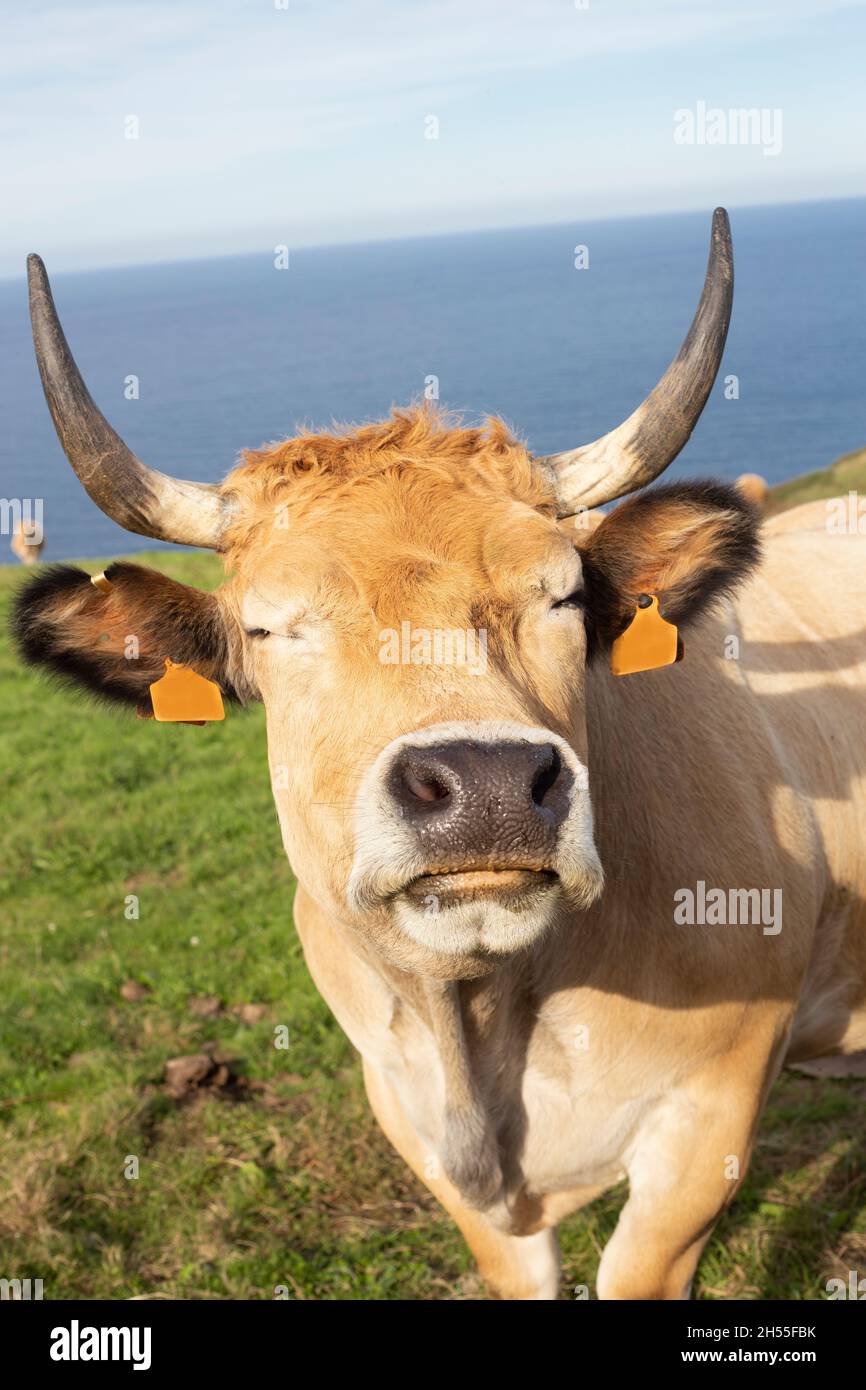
{"points": [[470, 1154], [479, 1029], [468, 1019]]}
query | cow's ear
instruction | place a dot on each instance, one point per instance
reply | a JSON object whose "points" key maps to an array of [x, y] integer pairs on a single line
{"points": [[113, 639], [688, 543]]}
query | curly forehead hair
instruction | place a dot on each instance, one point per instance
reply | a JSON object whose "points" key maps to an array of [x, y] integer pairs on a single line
{"points": [[422, 442]]}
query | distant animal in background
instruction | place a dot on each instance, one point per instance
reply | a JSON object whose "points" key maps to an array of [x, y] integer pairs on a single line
{"points": [[28, 542], [754, 488]]}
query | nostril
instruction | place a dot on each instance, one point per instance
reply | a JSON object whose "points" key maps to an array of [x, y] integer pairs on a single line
{"points": [[545, 780], [424, 787]]}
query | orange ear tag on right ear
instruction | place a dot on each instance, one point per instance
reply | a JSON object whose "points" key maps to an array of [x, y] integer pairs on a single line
{"points": [[182, 696], [648, 642]]}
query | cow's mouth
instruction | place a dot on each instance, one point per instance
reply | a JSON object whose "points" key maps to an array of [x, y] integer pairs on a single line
{"points": [[469, 883]]}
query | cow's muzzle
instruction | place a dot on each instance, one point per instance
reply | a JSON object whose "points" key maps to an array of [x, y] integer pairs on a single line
{"points": [[482, 805], [456, 816]]}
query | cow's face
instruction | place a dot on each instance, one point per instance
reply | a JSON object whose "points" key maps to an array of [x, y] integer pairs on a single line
{"points": [[412, 619], [418, 627]]}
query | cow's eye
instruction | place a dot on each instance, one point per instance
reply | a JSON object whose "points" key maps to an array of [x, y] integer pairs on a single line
{"points": [[256, 632], [574, 600]]}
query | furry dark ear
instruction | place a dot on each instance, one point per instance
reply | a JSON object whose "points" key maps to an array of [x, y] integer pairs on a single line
{"points": [[114, 640], [687, 542]]}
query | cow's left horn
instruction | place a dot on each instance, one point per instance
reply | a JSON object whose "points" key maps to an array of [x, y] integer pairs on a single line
{"points": [[139, 498], [641, 447]]}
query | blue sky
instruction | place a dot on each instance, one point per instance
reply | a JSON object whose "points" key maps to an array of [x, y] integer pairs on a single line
{"points": [[261, 125]]}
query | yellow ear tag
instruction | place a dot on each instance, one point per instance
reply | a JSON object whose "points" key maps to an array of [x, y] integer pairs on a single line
{"points": [[647, 643], [182, 696]]}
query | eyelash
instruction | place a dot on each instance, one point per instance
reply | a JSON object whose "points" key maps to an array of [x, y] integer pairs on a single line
{"points": [[575, 600]]}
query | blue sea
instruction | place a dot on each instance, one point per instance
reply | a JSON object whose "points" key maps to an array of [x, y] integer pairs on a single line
{"points": [[233, 352]]}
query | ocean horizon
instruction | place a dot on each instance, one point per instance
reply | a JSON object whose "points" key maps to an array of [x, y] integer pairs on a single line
{"points": [[192, 361]]}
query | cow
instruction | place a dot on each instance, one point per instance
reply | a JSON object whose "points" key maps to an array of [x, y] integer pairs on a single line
{"points": [[573, 922], [27, 542]]}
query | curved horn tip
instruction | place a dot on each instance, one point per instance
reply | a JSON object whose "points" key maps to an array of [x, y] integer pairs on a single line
{"points": [[36, 267], [721, 230], [38, 284]]}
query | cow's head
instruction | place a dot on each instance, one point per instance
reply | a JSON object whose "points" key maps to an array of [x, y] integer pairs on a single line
{"points": [[418, 625]]}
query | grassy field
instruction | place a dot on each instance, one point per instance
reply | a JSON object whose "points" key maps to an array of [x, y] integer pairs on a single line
{"points": [[273, 1172], [848, 473]]}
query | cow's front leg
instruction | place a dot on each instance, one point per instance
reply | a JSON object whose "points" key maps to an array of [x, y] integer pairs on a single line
{"points": [[685, 1166], [512, 1267]]}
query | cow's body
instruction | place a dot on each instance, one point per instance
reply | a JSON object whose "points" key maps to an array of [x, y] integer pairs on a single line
{"points": [[626, 1044], [496, 859]]}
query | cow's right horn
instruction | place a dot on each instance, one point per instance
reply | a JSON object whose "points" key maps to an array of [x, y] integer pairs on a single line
{"points": [[641, 448], [139, 498]]}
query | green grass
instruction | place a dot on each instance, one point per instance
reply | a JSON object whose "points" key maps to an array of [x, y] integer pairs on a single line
{"points": [[847, 474], [290, 1183]]}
